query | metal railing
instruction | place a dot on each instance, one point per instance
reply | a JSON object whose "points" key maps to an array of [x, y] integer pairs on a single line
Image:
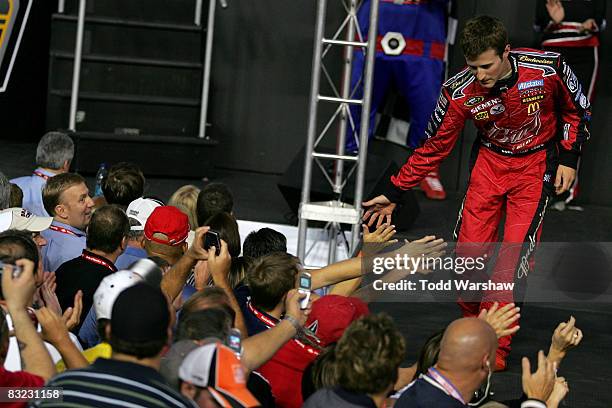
{"points": [[336, 212], [206, 68]]}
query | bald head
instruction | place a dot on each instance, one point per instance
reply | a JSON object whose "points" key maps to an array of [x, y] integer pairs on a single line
{"points": [[466, 346]]}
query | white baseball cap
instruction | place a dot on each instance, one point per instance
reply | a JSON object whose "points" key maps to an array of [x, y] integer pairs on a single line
{"points": [[140, 209], [108, 290], [23, 220]]}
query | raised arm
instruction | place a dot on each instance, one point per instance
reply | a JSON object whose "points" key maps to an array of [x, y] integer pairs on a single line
{"points": [[260, 348], [219, 267], [443, 129], [18, 292], [174, 280]]}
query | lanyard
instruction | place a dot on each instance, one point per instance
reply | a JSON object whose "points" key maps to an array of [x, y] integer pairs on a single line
{"points": [[64, 230], [41, 175], [444, 383], [99, 262], [271, 323]]}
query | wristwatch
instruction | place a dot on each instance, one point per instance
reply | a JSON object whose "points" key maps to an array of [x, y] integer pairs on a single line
{"points": [[296, 325]]}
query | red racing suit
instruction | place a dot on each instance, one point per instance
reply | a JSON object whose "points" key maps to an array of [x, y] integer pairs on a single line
{"points": [[527, 125]]}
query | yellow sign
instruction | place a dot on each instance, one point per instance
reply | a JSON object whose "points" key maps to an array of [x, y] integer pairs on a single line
{"points": [[13, 19]]}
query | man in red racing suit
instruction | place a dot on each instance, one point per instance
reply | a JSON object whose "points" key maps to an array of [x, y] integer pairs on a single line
{"points": [[532, 118]]}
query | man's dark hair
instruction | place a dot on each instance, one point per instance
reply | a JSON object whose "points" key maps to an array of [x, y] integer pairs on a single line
{"points": [[320, 373], [482, 33], [428, 356], [16, 245], [198, 325], [5, 192], [263, 242], [368, 355], [123, 184], [55, 186], [4, 336], [209, 297], [227, 227], [16, 196], [271, 277], [108, 226], [213, 199]]}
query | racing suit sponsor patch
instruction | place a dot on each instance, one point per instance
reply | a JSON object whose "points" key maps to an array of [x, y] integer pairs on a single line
{"points": [[485, 105], [474, 100], [482, 115], [512, 136], [530, 84], [497, 109], [530, 99], [437, 116], [536, 60]]}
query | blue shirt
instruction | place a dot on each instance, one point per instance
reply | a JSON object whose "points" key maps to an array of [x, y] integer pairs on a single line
{"points": [[32, 191], [253, 324], [61, 246], [129, 256], [88, 334]]}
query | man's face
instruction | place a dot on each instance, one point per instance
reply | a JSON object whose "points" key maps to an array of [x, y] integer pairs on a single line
{"points": [[76, 206], [489, 67], [201, 396], [40, 242]]}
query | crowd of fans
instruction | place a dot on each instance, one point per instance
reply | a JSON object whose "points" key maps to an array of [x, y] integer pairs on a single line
{"points": [[116, 300]]}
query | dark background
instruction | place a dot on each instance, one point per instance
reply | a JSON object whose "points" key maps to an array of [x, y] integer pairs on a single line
{"points": [[261, 81]]}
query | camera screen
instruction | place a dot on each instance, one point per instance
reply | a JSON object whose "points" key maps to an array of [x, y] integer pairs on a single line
{"points": [[234, 342]]}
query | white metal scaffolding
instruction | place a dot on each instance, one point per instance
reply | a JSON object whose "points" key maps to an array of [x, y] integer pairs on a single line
{"points": [[336, 212]]}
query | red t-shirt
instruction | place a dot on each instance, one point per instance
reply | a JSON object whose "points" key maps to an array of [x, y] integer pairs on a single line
{"points": [[18, 379], [284, 372]]}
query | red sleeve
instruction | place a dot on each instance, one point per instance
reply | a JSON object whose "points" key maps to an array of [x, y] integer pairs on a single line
{"points": [[443, 129], [21, 379], [574, 116]]}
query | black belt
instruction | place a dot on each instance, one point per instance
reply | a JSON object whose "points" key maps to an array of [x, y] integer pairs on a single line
{"points": [[506, 152]]}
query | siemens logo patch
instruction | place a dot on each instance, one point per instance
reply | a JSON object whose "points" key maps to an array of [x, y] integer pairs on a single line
{"points": [[530, 84]]}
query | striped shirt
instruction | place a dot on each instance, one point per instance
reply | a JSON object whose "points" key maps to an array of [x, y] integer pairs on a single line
{"points": [[113, 383]]}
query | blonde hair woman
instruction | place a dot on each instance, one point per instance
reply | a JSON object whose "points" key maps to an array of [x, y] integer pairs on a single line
{"points": [[185, 199]]}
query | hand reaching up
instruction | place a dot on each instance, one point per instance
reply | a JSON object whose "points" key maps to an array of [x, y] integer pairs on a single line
{"points": [[379, 212], [565, 337], [539, 385], [501, 318]]}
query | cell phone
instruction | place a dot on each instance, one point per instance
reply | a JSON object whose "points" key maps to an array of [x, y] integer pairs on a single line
{"points": [[16, 269], [212, 239], [305, 283], [234, 341]]}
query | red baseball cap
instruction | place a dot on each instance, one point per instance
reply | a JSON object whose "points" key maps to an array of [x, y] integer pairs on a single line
{"points": [[332, 314], [171, 222]]}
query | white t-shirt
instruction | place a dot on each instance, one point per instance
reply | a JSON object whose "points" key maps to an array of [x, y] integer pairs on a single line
{"points": [[12, 362]]}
